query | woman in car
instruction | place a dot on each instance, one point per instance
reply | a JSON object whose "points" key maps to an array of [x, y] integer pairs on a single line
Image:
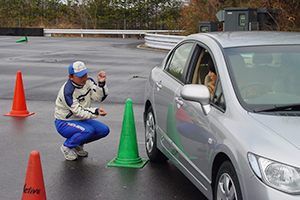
{"points": [[213, 77]]}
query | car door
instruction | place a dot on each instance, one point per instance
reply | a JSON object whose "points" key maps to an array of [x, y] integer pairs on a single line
{"points": [[167, 82], [193, 136]]}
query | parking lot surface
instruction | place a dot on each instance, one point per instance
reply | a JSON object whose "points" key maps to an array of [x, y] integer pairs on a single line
{"points": [[43, 62]]}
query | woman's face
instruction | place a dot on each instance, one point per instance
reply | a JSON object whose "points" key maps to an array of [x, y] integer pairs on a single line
{"points": [[212, 76]]}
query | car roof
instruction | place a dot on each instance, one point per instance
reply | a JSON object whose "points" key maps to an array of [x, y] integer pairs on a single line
{"points": [[249, 38]]}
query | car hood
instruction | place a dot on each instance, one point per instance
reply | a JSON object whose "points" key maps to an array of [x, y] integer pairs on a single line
{"points": [[287, 127]]}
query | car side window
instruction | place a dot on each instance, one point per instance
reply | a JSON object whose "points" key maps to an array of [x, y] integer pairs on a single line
{"points": [[199, 71], [178, 60], [203, 71]]}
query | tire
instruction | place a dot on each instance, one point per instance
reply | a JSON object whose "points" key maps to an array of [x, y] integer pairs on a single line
{"points": [[226, 184], [154, 154]]}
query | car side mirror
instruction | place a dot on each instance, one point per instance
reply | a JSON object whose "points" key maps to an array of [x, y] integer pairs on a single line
{"points": [[198, 93]]}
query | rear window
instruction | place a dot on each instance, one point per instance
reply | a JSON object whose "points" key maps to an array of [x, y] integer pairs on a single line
{"points": [[178, 59]]}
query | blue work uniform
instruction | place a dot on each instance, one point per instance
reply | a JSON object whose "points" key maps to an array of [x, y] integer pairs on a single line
{"points": [[74, 116]]}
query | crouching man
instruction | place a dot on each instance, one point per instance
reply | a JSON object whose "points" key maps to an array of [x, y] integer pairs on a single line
{"points": [[74, 116]]}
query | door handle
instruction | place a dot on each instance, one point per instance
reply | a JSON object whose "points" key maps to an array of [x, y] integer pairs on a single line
{"points": [[179, 101], [158, 85]]}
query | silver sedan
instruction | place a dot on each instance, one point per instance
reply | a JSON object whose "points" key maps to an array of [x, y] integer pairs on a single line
{"points": [[224, 107]]}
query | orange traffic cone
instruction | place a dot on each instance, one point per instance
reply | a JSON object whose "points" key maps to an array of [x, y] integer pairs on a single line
{"points": [[34, 188], [19, 108]]}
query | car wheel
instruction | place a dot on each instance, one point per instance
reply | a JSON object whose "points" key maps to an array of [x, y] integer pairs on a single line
{"points": [[154, 154], [227, 185]]}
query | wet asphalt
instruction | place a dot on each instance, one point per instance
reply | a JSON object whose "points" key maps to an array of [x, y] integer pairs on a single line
{"points": [[43, 62]]}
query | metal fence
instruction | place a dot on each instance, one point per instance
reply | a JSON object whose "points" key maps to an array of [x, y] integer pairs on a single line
{"points": [[60, 23], [49, 32], [158, 41]]}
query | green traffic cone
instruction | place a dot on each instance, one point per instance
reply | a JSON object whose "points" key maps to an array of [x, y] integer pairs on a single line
{"points": [[23, 40], [171, 128], [172, 131], [128, 155]]}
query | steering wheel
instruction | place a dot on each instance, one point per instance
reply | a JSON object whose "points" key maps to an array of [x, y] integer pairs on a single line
{"points": [[262, 85]]}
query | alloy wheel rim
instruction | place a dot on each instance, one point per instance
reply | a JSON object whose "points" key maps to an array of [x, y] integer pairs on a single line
{"points": [[150, 132], [226, 188]]}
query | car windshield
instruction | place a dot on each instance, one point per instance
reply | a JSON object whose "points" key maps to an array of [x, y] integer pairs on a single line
{"points": [[266, 78]]}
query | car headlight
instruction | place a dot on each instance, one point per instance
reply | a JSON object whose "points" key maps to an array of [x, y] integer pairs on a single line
{"points": [[277, 175]]}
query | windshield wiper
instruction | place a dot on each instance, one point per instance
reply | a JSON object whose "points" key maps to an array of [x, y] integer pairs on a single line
{"points": [[274, 108]]}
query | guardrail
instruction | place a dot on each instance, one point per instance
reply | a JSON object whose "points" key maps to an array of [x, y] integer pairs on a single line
{"points": [[49, 32], [159, 41]]}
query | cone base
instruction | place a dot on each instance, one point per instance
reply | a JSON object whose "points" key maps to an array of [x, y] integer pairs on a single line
{"points": [[21, 41], [132, 165], [18, 114]]}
